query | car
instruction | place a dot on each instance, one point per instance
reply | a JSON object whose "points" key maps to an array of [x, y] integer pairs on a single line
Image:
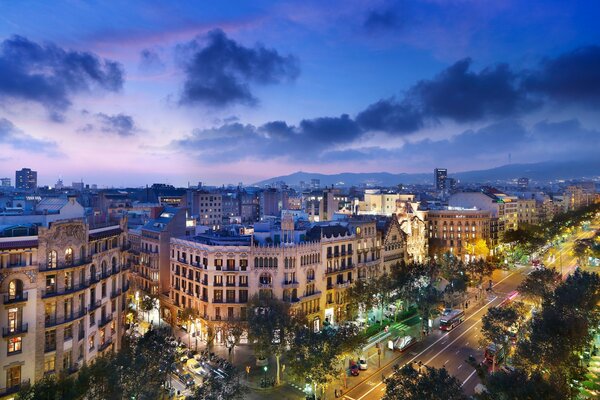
{"points": [[354, 371], [196, 367], [188, 380], [362, 363], [404, 342]]}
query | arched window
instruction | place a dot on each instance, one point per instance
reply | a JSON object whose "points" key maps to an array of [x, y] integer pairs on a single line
{"points": [[114, 264], [69, 256], [103, 267], [255, 262], [93, 272], [310, 274], [82, 253], [265, 278], [260, 262], [275, 262], [52, 259], [15, 289]]}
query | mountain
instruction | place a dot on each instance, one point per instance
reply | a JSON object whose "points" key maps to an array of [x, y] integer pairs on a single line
{"points": [[541, 172]]}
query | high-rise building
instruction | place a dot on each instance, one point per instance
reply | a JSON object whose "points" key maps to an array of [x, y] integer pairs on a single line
{"points": [[26, 179], [5, 182], [440, 175]]}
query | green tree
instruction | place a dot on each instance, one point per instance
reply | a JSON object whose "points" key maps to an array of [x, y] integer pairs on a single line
{"points": [[319, 357], [539, 284], [561, 331], [270, 327], [233, 331], [187, 317], [519, 385], [496, 326], [147, 305], [408, 383], [217, 388]]}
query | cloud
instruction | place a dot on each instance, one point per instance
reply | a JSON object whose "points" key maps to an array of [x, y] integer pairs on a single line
{"points": [[382, 20], [219, 71], [570, 77], [390, 116], [120, 124], [150, 61], [17, 139], [49, 75]]}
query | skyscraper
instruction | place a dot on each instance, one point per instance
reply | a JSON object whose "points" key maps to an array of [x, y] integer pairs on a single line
{"points": [[26, 179], [439, 176]]}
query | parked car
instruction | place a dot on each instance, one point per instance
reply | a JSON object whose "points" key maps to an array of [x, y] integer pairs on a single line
{"points": [[354, 371], [404, 342], [362, 363], [188, 380], [195, 367]]}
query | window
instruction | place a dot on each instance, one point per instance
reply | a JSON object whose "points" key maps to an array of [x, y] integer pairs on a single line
{"points": [[49, 364], [67, 360], [69, 280], [50, 283], [92, 319], [243, 296], [243, 281], [218, 296], [15, 345], [69, 256], [13, 377], [92, 341], [243, 264], [218, 263], [52, 259], [69, 332], [230, 296], [50, 340], [15, 289]]}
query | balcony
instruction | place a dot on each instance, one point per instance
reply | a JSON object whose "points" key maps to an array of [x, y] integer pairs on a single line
{"points": [[104, 345], [217, 283], [17, 330], [66, 265], [343, 285], [17, 264], [115, 293], [230, 284], [49, 347], [67, 290], [94, 305], [182, 260], [312, 296], [265, 285], [290, 285], [125, 287], [54, 321], [291, 300], [105, 320], [8, 299], [14, 389]]}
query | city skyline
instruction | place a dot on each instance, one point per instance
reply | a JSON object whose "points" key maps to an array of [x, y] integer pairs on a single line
{"points": [[181, 93]]}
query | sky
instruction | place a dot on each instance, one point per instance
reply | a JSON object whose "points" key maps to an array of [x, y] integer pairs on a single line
{"points": [[132, 93]]}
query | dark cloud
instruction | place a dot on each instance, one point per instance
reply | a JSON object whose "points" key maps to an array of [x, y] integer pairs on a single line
{"points": [[120, 124], [220, 72], [330, 130], [49, 75], [382, 20], [150, 61], [463, 95], [570, 77], [277, 129], [390, 116], [17, 139]]}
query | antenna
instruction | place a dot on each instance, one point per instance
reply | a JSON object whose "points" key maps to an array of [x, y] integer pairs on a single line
{"points": [[509, 158]]}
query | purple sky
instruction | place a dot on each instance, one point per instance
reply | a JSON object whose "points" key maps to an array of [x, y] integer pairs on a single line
{"points": [[240, 91]]}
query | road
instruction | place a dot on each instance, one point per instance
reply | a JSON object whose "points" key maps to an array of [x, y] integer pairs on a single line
{"points": [[449, 349], [452, 349]]}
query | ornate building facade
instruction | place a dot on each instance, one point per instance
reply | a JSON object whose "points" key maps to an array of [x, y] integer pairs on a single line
{"points": [[64, 293]]}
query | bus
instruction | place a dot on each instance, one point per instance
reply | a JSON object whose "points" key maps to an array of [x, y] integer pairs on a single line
{"points": [[492, 350], [451, 319]]}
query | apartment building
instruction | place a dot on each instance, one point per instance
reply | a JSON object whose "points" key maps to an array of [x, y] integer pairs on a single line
{"points": [[457, 231], [64, 294]]}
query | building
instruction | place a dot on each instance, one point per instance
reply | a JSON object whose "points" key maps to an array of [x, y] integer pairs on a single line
{"points": [[64, 293], [527, 212], [439, 178], [272, 201], [151, 274], [575, 197], [523, 183], [458, 232], [378, 203], [205, 207], [328, 205], [26, 179], [5, 182]]}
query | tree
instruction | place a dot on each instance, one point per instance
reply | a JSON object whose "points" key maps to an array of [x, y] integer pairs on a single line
{"points": [[270, 327], [147, 305], [233, 331], [477, 249], [361, 296], [318, 357], [187, 317], [496, 326], [408, 383], [478, 270], [216, 388], [518, 384], [539, 284], [561, 331]]}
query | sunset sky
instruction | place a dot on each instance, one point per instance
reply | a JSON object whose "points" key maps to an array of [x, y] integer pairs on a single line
{"points": [[230, 91]]}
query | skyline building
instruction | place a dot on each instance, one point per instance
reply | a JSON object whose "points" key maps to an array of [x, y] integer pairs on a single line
{"points": [[440, 175], [26, 179]]}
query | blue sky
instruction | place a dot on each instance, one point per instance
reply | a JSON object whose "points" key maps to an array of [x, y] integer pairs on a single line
{"points": [[219, 92]]}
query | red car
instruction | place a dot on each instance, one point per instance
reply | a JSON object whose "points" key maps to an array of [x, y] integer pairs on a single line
{"points": [[354, 368]]}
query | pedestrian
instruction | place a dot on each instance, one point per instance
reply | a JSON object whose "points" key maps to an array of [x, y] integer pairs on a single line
{"points": [[336, 393], [382, 377]]}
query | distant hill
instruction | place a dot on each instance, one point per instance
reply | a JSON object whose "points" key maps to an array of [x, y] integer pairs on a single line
{"points": [[542, 172]]}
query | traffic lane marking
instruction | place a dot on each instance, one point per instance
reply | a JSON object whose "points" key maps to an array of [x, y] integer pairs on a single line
{"points": [[468, 377], [430, 346]]}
